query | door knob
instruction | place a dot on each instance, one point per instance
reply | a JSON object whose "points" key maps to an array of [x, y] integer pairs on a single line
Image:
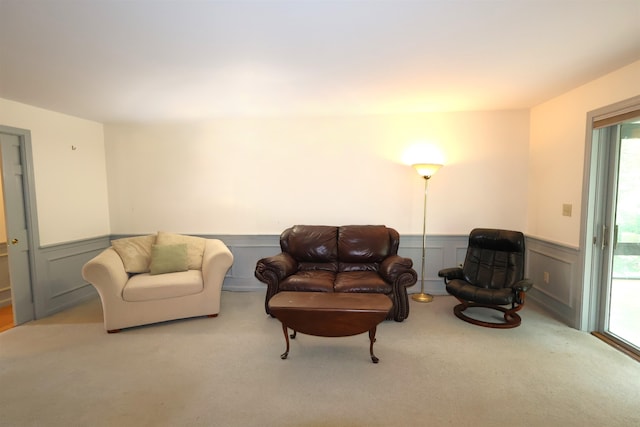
{"points": [[14, 241]]}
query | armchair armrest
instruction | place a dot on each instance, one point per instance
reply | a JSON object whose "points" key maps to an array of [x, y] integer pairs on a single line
{"points": [[523, 285], [106, 273], [216, 261], [520, 288], [451, 273]]}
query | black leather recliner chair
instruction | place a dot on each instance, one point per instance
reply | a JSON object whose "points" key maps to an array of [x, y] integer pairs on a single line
{"points": [[492, 276], [351, 258]]}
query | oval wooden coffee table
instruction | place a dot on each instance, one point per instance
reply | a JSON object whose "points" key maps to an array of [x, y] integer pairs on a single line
{"points": [[328, 314]]}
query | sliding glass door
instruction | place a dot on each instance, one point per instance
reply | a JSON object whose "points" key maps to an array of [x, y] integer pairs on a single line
{"points": [[622, 299]]}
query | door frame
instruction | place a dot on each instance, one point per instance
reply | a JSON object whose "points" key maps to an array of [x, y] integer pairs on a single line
{"points": [[25, 314], [592, 235]]}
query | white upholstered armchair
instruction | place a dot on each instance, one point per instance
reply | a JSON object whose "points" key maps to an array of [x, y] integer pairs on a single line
{"points": [[149, 279]]}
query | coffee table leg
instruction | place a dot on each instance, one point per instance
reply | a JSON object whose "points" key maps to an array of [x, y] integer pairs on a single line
{"points": [[286, 337], [372, 339]]}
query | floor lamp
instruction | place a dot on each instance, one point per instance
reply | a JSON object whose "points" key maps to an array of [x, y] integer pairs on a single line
{"points": [[426, 170]]}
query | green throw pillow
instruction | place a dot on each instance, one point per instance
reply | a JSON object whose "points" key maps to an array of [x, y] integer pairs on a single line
{"points": [[168, 259], [195, 246]]}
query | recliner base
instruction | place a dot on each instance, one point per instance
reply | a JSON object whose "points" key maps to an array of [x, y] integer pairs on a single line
{"points": [[511, 318]]}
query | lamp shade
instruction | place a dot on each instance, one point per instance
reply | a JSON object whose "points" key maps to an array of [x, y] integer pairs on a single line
{"points": [[426, 169]]}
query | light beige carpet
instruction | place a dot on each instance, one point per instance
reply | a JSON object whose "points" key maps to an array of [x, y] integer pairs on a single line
{"points": [[434, 370]]}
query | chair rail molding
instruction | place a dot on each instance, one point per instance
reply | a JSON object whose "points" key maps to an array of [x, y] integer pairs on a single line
{"points": [[59, 268]]}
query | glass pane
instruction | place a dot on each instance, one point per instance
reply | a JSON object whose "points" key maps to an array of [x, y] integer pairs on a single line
{"points": [[624, 313]]}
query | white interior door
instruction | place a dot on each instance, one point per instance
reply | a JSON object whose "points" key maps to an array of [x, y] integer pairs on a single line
{"points": [[17, 229]]}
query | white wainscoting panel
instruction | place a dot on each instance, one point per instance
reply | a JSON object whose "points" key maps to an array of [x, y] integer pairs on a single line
{"points": [[560, 294], [60, 284], [59, 275]]}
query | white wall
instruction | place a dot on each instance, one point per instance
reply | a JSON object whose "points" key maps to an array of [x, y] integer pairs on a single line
{"points": [[557, 148], [261, 175], [70, 185]]}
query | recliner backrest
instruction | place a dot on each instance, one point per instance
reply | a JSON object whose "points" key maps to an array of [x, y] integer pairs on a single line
{"points": [[495, 258]]}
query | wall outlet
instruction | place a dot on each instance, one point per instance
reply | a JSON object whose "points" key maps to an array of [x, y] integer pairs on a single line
{"points": [[545, 277], [566, 209]]}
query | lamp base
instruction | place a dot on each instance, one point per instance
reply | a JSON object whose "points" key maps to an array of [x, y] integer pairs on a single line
{"points": [[422, 297]]}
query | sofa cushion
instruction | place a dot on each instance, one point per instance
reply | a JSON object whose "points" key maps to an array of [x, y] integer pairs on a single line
{"points": [[327, 266], [309, 281], [358, 266], [145, 287], [135, 252], [168, 259], [195, 246], [311, 243], [361, 281], [363, 243]]}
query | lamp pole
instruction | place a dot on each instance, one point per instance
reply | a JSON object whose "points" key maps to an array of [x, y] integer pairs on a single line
{"points": [[422, 297], [426, 171]]}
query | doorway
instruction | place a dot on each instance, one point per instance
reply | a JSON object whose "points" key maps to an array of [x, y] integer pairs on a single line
{"points": [[6, 304], [611, 227]]}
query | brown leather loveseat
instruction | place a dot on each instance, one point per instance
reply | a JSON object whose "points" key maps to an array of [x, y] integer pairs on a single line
{"points": [[353, 258]]}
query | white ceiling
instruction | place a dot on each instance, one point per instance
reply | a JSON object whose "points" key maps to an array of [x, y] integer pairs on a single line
{"points": [[119, 60]]}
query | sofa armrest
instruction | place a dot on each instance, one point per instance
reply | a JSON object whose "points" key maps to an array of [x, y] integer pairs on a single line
{"points": [[396, 267], [399, 272], [280, 266], [272, 270], [106, 273], [216, 261]]}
